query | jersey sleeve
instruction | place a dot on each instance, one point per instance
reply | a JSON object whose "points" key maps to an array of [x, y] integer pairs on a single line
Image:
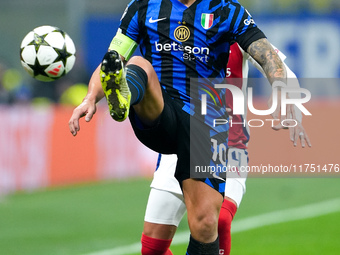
{"points": [[129, 21], [244, 28], [127, 38]]}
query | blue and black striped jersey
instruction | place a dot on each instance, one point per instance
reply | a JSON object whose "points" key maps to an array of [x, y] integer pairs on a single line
{"points": [[188, 42]]}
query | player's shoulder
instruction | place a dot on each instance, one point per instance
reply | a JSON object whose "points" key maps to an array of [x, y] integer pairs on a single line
{"points": [[230, 3], [137, 5], [217, 4], [139, 2], [232, 8], [147, 2]]}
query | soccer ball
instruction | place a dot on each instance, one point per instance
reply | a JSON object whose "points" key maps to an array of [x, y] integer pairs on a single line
{"points": [[47, 53]]}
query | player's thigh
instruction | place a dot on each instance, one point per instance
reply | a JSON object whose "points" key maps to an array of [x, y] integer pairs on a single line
{"points": [[202, 154], [162, 135], [164, 207]]}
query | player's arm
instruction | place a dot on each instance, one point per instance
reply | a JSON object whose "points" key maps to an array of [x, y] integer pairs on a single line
{"points": [[125, 46], [88, 107], [252, 40], [264, 54], [297, 132]]}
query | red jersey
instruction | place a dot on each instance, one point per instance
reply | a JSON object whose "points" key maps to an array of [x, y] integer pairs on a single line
{"points": [[237, 68]]}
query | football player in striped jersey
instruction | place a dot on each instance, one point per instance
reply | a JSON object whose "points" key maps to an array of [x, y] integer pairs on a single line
{"points": [[180, 41]]}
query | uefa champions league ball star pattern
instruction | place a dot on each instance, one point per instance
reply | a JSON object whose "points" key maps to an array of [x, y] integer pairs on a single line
{"points": [[47, 53]]}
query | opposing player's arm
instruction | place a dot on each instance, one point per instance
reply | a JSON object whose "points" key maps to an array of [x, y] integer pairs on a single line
{"points": [[264, 54]]}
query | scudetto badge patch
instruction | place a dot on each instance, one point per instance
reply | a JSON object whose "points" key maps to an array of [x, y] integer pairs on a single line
{"points": [[207, 20]]}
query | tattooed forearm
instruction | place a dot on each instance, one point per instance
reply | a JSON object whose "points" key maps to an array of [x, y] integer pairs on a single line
{"points": [[262, 51]]}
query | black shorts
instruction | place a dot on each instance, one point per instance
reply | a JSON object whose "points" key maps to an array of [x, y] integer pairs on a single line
{"points": [[171, 135]]}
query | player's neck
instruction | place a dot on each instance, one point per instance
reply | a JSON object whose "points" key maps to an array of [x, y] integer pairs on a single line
{"points": [[187, 2]]}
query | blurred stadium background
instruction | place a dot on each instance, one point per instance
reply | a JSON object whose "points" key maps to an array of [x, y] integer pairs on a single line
{"points": [[65, 195]]}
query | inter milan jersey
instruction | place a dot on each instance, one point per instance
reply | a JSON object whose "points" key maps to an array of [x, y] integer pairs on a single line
{"points": [[184, 42]]}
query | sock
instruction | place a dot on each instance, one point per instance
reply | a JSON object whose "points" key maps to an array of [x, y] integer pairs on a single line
{"points": [[227, 213], [136, 79], [198, 248], [153, 246]]}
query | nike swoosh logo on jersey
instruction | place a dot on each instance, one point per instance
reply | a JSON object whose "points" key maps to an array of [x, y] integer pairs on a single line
{"points": [[156, 20], [217, 177]]}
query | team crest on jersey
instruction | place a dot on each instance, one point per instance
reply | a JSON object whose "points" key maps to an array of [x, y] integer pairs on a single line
{"points": [[207, 20], [182, 33]]}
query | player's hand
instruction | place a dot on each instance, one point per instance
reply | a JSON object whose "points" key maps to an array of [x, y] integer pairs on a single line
{"points": [[87, 108], [298, 132], [278, 116]]}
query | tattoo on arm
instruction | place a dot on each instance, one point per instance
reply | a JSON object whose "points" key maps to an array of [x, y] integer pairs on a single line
{"points": [[263, 52]]}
